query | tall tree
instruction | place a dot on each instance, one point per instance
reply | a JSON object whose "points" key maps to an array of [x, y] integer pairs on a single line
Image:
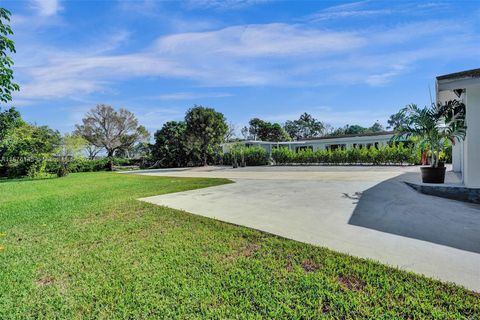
{"points": [[170, 145], [259, 129], [254, 127], [10, 118], [7, 46], [273, 132], [206, 129], [71, 146], [376, 127], [397, 121], [230, 135], [112, 130], [305, 127]]}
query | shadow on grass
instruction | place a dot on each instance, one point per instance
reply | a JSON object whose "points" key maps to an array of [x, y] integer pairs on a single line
{"points": [[393, 207]]}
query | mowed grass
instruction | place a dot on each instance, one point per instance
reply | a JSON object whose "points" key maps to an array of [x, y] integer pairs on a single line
{"points": [[84, 247]]}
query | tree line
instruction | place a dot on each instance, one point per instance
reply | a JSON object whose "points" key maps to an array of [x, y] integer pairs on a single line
{"points": [[305, 127]]}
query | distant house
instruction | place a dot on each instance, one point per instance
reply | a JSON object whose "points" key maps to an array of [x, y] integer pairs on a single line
{"points": [[332, 143], [465, 86]]}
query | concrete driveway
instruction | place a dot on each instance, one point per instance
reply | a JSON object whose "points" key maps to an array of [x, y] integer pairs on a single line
{"points": [[363, 211]]}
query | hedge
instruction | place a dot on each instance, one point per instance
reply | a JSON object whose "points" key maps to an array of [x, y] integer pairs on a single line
{"points": [[384, 155], [253, 156], [49, 165]]}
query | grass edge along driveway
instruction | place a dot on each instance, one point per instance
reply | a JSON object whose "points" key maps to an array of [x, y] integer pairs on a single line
{"points": [[84, 247]]}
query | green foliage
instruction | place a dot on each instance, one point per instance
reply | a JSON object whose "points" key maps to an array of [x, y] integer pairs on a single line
{"points": [[9, 120], [265, 131], [384, 155], [357, 129], [7, 86], [434, 127], [110, 129], [27, 150], [273, 132], [397, 121], [205, 131], [81, 164], [170, 145], [305, 127], [253, 156]]}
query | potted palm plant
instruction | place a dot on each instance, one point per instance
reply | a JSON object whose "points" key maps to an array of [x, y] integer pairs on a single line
{"points": [[432, 127]]}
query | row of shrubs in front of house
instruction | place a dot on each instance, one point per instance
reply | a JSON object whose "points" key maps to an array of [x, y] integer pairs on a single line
{"points": [[251, 156], [383, 155]]}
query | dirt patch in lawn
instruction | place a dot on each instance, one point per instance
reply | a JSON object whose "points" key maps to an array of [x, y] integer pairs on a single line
{"points": [[351, 283], [45, 281], [310, 265], [247, 250]]}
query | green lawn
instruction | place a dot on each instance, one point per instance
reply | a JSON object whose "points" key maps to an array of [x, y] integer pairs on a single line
{"points": [[84, 247]]}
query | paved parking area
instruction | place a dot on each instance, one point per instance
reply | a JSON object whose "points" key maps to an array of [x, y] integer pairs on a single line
{"points": [[363, 211]]}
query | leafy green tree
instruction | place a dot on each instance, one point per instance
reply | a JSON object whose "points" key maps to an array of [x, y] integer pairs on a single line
{"points": [[433, 126], [397, 121], [112, 130], [206, 130], [10, 118], [7, 86], [273, 132], [254, 127], [71, 147], [170, 145], [28, 148], [259, 129], [305, 127], [357, 129], [376, 127]]}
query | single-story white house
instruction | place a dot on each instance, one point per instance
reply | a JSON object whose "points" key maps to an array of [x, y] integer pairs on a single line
{"points": [[346, 141], [465, 86]]}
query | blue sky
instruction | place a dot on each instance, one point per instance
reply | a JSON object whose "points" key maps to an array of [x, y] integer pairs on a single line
{"points": [[343, 62]]}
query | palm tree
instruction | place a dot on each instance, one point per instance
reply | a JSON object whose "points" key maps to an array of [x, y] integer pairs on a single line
{"points": [[434, 125]]}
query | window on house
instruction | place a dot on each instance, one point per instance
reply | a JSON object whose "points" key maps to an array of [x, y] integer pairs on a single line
{"points": [[303, 148], [334, 147]]}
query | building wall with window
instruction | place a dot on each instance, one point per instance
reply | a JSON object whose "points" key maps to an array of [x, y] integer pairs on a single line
{"points": [[358, 141]]}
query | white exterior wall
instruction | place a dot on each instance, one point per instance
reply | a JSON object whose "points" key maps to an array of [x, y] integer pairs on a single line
{"points": [[457, 157], [457, 149], [320, 144], [472, 140]]}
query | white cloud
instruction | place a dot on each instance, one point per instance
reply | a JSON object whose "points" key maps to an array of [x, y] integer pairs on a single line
{"points": [[264, 40], [349, 10], [247, 55], [46, 7]]}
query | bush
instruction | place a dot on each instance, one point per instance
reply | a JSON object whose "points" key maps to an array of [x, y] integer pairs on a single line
{"points": [[253, 156], [384, 155], [44, 167]]}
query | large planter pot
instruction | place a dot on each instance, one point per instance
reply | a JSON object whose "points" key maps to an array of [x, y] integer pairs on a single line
{"points": [[433, 175]]}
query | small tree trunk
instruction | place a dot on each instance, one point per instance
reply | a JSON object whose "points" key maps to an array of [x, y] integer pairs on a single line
{"points": [[110, 161]]}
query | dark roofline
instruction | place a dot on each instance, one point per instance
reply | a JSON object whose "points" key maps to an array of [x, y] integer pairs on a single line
{"points": [[383, 133], [372, 134], [473, 73]]}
